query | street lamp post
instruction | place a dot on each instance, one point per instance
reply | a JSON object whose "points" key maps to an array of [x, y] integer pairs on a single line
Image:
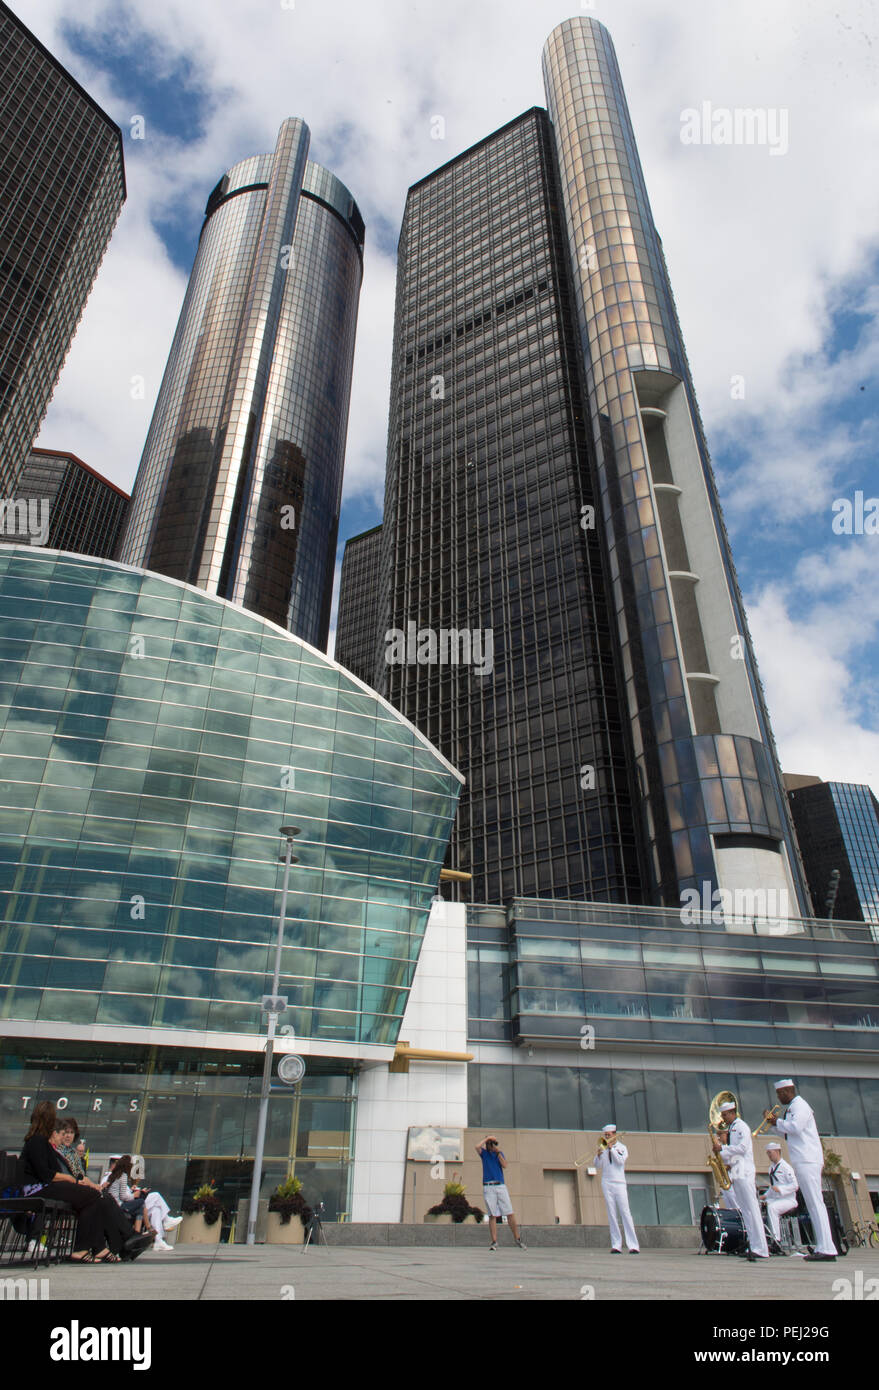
{"points": [[289, 832]]}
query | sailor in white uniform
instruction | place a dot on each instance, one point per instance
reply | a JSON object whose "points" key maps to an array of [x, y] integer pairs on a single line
{"points": [[798, 1126], [611, 1163], [738, 1155], [781, 1194]]}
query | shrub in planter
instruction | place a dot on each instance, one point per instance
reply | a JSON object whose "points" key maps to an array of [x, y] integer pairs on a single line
{"points": [[287, 1201], [207, 1202], [455, 1204]]}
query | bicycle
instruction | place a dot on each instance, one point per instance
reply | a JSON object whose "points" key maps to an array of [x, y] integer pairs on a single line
{"points": [[863, 1233]]}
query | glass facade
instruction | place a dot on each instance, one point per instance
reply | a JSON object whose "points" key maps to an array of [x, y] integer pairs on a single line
{"points": [[239, 486], [190, 1115], [359, 597], [490, 477], [837, 825], [62, 186], [86, 512], [662, 1101], [687, 659], [540, 971], [153, 740]]}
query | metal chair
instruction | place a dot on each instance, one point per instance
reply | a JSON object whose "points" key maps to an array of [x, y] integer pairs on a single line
{"points": [[31, 1228]]}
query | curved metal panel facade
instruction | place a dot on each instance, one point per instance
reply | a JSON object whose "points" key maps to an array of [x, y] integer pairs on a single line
{"points": [[240, 482], [686, 654]]}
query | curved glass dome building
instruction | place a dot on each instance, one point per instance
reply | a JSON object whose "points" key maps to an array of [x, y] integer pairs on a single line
{"points": [[153, 740]]}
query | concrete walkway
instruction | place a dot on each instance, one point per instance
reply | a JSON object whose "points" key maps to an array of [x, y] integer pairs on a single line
{"points": [[235, 1272]]}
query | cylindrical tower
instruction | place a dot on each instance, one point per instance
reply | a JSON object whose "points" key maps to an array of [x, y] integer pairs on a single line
{"points": [[714, 808], [240, 482]]}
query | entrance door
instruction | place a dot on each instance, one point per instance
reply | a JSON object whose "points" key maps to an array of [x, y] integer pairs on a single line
{"points": [[564, 1197]]}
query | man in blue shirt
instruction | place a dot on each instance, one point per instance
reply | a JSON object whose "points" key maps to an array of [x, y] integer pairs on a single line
{"points": [[494, 1189]]}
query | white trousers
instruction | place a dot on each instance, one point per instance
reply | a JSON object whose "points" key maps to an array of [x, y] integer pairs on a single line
{"points": [[156, 1209], [616, 1199], [745, 1196], [776, 1208], [809, 1179]]}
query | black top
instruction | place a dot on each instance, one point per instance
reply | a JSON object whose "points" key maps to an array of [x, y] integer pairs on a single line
{"points": [[40, 1161]]}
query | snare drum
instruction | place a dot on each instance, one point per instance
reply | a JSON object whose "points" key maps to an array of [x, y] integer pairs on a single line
{"points": [[723, 1231]]}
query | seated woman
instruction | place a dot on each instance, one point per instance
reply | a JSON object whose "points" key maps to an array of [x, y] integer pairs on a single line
{"points": [[139, 1202], [102, 1233], [71, 1148], [116, 1183]]}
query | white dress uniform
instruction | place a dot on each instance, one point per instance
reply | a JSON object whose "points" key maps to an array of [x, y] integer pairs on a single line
{"points": [[738, 1154], [804, 1146], [784, 1199], [611, 1163]]}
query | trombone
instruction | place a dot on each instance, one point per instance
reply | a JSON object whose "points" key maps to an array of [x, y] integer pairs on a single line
{"points": [[605, 1143], [602, 1145], [773, 1114]]}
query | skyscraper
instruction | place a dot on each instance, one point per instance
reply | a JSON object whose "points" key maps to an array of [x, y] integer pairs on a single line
{"points": [[548, 481], [62, 185], [358, 604], [240, 481], [84, 512], [837, 825], [488, 474]]}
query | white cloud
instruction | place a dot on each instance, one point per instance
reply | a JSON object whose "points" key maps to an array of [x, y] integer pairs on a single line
{"points": [[820, 714]]}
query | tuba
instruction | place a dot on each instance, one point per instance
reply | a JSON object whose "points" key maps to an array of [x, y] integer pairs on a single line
{"points": [[715, 1124]]}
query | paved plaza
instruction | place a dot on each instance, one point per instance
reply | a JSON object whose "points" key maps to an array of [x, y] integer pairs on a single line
{"points": [[410, 1273]]}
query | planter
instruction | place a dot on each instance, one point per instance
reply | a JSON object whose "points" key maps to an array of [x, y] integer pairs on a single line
{"points": [[194, 1230], [279, 1234], [444, 1219]]}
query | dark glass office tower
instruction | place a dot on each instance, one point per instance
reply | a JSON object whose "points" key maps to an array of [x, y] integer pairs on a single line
{"points": [[84, 512], [489, 470], [548, 479], [357, 628], [62, 185], [240, 481], [837, 825]]}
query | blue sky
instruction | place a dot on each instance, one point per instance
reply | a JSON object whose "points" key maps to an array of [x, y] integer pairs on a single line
{"points": [[773, 260]]}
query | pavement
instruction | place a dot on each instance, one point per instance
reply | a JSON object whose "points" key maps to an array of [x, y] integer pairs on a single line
{"points": [[409, 1273]]}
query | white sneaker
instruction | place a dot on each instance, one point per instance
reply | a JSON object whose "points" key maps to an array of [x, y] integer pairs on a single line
{"points": [[159, 1244], [172, 1221]]}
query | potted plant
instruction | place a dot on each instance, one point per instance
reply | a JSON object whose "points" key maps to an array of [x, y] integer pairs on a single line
{"points": [[201, 1223], [285, 1203], [833, 1164], [454, 1208]]}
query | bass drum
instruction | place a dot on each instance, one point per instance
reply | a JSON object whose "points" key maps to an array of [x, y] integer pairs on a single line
{"points": [[723, 1232]]}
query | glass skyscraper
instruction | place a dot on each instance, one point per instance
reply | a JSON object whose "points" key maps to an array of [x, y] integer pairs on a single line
{"points": [[83, 511], [548, 482], [837, 825], [62, 185], [240, 481], [358, 604]]}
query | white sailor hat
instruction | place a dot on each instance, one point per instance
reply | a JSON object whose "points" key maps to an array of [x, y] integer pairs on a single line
{"points": [[729, 1105], [785, 1082], [773, 1145], [608, 1127]]}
